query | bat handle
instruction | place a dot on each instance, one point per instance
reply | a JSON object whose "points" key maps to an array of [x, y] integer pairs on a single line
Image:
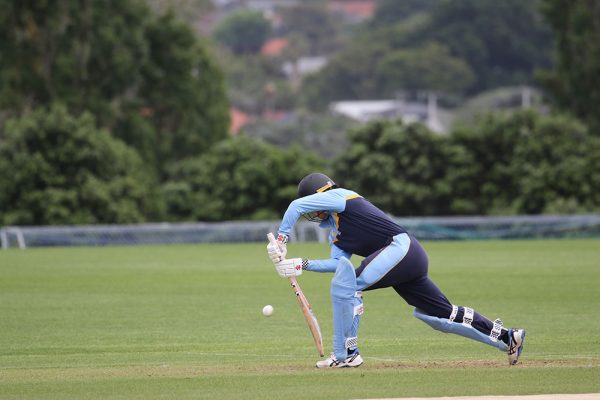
{"points": [[271, 238]]}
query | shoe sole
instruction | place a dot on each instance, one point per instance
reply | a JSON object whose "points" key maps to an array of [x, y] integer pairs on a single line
{"points": [[343, 365], [356, 361], [340, 366]]}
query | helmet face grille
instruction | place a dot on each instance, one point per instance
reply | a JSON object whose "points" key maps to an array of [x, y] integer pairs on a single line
{"points": [[315, 183], [314, 216]]}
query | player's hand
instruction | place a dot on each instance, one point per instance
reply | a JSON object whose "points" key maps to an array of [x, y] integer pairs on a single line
{"points": [[278, 250], [289, 268]]}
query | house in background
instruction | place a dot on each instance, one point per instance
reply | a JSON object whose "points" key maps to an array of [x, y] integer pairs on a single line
{"points": [[297, 69], [274, 47], [237, 120], [356, 11], [425, 112]]}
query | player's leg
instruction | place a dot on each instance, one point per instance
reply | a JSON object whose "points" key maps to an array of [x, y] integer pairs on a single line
{"points": [[347, 308], [346, 298], [381, 269], [463, 321], [433, 308]]}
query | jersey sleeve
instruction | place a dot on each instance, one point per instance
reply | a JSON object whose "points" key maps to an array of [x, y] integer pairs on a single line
{"points": [[327, 201], [330, 264]]}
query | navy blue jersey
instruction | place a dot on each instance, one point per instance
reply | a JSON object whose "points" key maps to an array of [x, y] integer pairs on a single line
{"points": [[362, 228]]}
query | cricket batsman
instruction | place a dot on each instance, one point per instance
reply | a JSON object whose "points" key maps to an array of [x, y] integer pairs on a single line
{"points": [[393, 258]]}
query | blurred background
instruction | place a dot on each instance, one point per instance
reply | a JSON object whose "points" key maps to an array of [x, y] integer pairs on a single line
{"points": [[133, 111]]}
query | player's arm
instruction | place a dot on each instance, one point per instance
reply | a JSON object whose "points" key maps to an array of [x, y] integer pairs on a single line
{"points": [[294, 266], [328, 265], [329, 202]]}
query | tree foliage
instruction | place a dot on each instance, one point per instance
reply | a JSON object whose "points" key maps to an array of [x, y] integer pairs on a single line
{"points": [[390, 12], [146, 78], [85, 54], [575, 80], [349, 75], [249, 78], [527, 164], [241, 178], [243, 32], [190, 11], [557, 165], [399, 167], [323, 134], [481, 173], [67, 171], [460, 47], [503, 42], [520, 163], [107, 112], [419, 69], [315, 24], [182, 92]]}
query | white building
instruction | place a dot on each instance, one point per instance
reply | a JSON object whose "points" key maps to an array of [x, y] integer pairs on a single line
{"points": [[409, 112]]}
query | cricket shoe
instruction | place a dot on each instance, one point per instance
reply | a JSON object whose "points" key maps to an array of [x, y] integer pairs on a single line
{"points": [[516, 339], [353, 360]]}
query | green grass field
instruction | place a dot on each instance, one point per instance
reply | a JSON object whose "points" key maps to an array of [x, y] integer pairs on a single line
{"points": [[185, 322]]}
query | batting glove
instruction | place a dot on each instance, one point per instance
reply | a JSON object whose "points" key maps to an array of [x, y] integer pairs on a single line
{"points": [[289, 268], [278, 250]]}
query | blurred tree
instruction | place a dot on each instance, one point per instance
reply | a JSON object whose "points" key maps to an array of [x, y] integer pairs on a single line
{"points": [[190, 11], [375, 71], [242, 178], [312, 21], [248, 77], [86, 54], [243, 32], [504, 42], [519, 163], [484, 43], [557, 165], [524, 163], [399, 167], [323, 133], [348, 75], [67, 171], [390, 12], [575, 81], [419, 69], [182, 93], [298, 47], [146, 78], [480, 166]]}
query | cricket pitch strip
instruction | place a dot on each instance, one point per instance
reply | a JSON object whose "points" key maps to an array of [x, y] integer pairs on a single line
{"points": [[585, 396]]}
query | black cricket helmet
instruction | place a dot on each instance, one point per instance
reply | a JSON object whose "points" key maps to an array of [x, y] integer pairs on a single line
{"points": [[315, 183], [311, 184]]}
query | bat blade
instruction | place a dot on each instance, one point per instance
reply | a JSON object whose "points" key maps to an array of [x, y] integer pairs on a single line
{"points": [[309, 316]]}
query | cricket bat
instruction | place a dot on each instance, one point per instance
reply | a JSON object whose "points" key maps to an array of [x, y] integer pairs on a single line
{"points": [[309, 316]]}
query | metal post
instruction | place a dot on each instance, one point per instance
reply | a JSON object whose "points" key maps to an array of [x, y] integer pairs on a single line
{"points": [[20, 238], [4, 239]]}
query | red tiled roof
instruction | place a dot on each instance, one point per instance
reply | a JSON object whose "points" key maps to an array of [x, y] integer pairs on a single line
{"points": [[363, 9], [238, 120], [274, 47]]}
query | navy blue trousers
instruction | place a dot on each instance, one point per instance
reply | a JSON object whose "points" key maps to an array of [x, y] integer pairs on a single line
{"points": [[410, 280]]}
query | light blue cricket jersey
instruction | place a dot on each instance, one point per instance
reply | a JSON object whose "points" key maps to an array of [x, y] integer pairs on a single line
{"points": [[357, 226]]}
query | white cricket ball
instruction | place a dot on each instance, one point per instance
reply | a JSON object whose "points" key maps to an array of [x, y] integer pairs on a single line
{"points": [[268, 310]]}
